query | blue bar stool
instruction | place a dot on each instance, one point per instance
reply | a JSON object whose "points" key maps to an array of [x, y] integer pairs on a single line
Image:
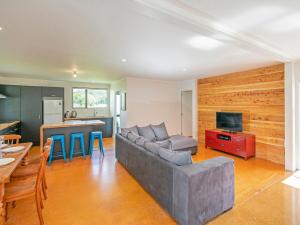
{"points": [[93, 136], [61, 138], [73, 138]]}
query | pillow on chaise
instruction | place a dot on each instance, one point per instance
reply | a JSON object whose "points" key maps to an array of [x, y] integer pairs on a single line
{"points": [[152, 147], [164, 144], [147, 133], [178, 158], [160, 131], [141, 141]]}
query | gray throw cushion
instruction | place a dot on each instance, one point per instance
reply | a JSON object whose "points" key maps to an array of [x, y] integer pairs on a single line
{"points": [[124, 132], [133, 129], [147, 133], [152, 147], [164, 144], [132, 136], [160, 132], [141, 141], [178, 158]]}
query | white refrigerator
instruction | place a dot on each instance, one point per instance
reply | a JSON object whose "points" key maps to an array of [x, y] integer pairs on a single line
{"points": [[52, 110]]}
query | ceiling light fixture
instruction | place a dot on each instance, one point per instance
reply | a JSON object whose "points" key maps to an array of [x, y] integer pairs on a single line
{"points": [[204, 43], [123, 60], [0, 28], [75, 74], [184, 69]]}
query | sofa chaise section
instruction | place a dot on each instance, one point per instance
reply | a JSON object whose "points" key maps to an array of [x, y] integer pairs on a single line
{"points": [[182, 143], [203, 190]]}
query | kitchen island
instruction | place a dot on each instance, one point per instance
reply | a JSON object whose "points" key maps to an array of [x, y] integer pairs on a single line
{"points": [[107, 130], [67, 128], [11, 127]]}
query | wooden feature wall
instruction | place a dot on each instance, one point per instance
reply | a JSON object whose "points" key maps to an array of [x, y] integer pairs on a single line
{"points": [[259, 95]]}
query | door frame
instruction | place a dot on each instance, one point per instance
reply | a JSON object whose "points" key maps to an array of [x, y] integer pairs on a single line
{"points": [[115, 111], [181, 111]]}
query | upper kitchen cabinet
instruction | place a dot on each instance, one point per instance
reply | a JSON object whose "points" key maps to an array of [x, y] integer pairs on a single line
{"points": [[31, 114], [53, 92], [10, 106]]}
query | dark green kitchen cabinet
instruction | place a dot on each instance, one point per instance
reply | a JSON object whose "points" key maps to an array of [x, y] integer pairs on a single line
{"points": [[53, 92], [10, 106], [31, 114]]}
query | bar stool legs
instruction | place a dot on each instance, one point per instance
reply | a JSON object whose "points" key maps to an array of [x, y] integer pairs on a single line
{"points": [[93, 136], [73, 138], [101, 145], [61, 138]]}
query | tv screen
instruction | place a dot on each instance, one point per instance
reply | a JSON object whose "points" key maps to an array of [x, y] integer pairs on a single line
{"points": [[229, 121]]}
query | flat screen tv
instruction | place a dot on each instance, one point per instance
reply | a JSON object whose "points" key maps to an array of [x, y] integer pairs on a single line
{"points": [[228, 121]]}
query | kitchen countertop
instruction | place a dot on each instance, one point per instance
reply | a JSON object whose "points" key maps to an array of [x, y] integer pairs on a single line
{"points": [[87, 118], [73, 123], [8, 124]]}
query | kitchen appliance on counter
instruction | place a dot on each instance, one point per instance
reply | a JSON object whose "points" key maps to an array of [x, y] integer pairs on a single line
{"points": [[67, 114], [52, 110], [73, 114]]}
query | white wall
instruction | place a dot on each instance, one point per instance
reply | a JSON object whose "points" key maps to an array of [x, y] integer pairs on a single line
{"points": [[153, 102], [68, 91]]}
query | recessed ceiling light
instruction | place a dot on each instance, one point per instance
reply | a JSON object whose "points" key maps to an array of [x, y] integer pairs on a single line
{"points": [[0, 28], [123, 60], [184, 69], [204, 43]]}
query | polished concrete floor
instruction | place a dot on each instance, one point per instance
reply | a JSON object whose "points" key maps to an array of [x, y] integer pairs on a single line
{"points": [[99, 191]]}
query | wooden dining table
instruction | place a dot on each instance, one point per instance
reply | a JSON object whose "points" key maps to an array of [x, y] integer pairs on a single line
{"points": [[21, 158]]}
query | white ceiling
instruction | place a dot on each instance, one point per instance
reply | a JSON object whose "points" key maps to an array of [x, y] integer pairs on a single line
{"points": [[48, 39]]}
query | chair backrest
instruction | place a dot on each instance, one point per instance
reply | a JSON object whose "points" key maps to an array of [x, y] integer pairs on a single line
{"points": [[43, 162], [47, 148], [48, 142], [11, 138], [41, 173]]}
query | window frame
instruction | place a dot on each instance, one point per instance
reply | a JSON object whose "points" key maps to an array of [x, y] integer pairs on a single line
{"points": [[85, 92], [86, 97]]}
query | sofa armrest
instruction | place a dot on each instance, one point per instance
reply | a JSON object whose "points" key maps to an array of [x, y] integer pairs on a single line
{"points": [[203, 190]]}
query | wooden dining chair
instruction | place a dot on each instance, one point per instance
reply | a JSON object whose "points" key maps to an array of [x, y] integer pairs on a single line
{"points": [[22, 172], [11, 138], [35, 158], [29, 187]]}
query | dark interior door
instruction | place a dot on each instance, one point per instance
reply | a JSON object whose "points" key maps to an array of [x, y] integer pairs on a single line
{"points": [[31, 114]]}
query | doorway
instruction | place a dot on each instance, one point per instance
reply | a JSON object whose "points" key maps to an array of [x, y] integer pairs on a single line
{"points": [[117, 111], [187, 113]]}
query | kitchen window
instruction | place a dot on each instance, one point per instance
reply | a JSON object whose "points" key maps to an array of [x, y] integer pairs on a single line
{"points": [[90, 98]]}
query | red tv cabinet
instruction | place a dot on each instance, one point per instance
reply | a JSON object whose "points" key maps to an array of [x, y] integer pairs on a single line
{"points": [[239, 144]]}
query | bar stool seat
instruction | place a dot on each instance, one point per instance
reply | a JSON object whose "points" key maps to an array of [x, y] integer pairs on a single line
{"points": [[73, 138], [61, 138], [94, 135]]}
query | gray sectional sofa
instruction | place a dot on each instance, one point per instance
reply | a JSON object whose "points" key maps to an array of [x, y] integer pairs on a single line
{"points": [[192, 193]]}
